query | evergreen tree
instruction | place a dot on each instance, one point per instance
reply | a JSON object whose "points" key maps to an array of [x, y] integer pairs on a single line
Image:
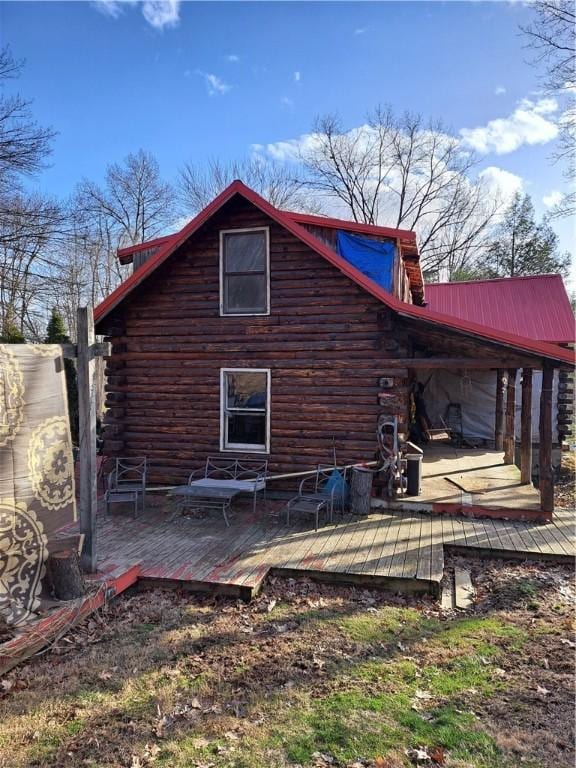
{"points": [[11, 334], [56, 330], [56, 334], [522, 246]]}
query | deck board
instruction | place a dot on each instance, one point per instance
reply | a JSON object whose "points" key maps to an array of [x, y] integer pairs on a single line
{"points": [[424, 567], [374, 547]]}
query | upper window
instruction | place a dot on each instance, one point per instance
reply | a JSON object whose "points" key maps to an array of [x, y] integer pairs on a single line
{"points": [[244, 270]]}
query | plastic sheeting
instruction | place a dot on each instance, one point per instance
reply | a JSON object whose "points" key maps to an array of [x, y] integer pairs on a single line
{"points": [[475, 391], [373, 258]]}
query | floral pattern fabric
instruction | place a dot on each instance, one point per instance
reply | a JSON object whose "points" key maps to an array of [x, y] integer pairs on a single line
{"points": [[36, 471]]}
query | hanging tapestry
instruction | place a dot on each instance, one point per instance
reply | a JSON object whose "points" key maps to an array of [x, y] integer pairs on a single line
{"points": [[36, 470]]}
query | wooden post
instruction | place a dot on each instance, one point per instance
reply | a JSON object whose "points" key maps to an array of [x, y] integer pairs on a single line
{"points": [[499, 414], [526, 427], [509, 427], [87, 421], [545, 459]]}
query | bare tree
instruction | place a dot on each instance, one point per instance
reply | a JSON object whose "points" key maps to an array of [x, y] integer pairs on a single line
{"points": [[24, 145], [28, 222], [29, 227], [552, 39], [134, 205], [199, 184], [403, 172]]}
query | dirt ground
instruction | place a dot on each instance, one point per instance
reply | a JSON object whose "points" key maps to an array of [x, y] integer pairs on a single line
{"points": [[307, 675], [564, 495]]}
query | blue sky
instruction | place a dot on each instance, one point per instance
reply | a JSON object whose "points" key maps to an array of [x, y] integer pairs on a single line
{"points": [[192, 80]]}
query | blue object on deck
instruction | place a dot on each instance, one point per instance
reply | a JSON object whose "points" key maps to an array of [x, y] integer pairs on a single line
{"points": [[373, 258], [337, 483]]}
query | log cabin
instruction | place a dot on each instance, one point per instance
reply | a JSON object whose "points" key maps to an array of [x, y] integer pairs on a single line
{"points": [[259, 332]]}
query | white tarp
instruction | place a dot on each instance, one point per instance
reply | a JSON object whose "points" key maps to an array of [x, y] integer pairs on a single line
{"points": [[476, 393]]}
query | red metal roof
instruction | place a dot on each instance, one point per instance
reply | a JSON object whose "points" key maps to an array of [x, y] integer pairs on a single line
{"points": [[524, 344], [536, 307]]}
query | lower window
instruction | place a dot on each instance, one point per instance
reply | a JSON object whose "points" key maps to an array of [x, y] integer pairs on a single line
{"points": [[245, 409]]}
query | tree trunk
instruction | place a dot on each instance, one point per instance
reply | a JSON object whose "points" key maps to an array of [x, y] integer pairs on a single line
{"points": [[65, 580], [360, 491]]}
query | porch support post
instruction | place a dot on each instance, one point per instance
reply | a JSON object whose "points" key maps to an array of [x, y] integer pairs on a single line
{"points": [[526, 427], [509, 431], [545, 458], [499, 415], [87, 423]]}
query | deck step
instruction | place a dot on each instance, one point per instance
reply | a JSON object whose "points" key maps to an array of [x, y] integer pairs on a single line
{"points": [[447, 599], [457, 590], [463, 588]]}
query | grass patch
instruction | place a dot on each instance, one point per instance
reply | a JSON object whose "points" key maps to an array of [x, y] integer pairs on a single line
{"points": [[349, 725], [460, 675], [387, 624]]}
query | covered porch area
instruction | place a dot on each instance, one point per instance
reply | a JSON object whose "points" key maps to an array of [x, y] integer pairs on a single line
{"points": [[490, 476], [476, 482]]}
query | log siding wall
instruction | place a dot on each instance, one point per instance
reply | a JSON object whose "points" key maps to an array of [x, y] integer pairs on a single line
{"points": [[326, 342]]}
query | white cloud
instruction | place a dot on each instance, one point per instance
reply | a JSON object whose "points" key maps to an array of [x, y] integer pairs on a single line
{"points": [[361, 30], [112, 8], [501, 185], [499, 90], [528, 124], [158, 13], [288, 151], [214, 84], [297, 76], [161, 13], [287, 102], [553, 199], [234, 58]]}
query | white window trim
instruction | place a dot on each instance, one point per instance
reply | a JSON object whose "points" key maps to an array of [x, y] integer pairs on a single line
{"points": [[224, 232], [243, 447]]}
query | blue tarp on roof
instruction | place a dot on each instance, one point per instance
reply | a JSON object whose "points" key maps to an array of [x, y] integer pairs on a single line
{"points": [[373, 258]]}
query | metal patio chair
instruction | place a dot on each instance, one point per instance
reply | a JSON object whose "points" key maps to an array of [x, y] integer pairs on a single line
{"points": [[315, 497], [126, 483]]}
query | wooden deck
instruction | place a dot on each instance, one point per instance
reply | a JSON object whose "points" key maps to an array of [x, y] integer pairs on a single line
{"points": [[398, 550], [464, 480]]}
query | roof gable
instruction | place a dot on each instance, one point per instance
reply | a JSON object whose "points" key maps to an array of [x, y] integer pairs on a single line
{"points": [[167, 248]]}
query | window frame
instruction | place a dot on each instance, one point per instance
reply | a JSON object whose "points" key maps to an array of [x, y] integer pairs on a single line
{"points": [[225, 446], [223, 233]]}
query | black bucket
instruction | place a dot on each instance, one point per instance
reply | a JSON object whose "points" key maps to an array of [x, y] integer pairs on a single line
{"points": [[414, 474]]}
